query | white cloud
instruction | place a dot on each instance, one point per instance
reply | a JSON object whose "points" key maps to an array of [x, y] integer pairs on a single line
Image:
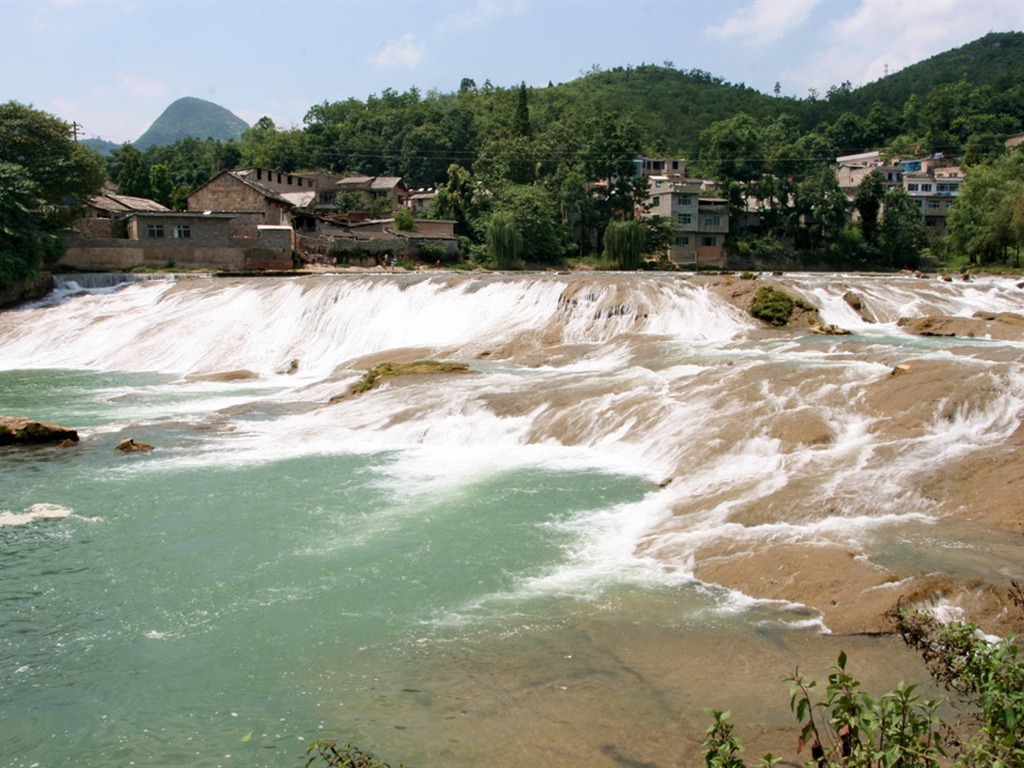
{"points": [[764, 21], [882, 36], [405, 52]]}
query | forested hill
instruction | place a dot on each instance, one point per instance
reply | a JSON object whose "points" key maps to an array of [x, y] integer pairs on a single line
{"points": [[674, 107], [964, 101], [995, 60], [671, 106], [192, 117]]}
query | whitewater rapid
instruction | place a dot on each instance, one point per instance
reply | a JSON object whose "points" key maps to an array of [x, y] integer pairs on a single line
{"points": [[752, 438]]}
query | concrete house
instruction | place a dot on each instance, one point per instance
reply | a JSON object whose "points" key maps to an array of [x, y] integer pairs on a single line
{"points": [[700, 224], [934, 191]]}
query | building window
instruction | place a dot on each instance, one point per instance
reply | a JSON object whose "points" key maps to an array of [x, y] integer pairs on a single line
{"points": [[182, 231], [933, 204], [259, 175], [912, 187], [154, 230], [684, 218], [709, 240], [289, 181], [926, 187], [684, 200], [675, 165], [299, 181], [683, 240], [712, 221]]}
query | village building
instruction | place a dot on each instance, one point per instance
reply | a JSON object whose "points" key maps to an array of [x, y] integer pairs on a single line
{"points": [[851, 170], [699, 222], [933, 183]]}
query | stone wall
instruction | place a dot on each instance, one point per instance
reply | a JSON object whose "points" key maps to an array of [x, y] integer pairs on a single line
{"points": [[212, 250]]}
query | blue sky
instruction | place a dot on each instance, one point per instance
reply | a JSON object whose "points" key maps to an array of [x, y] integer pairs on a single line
{"points": [[114, 65]]}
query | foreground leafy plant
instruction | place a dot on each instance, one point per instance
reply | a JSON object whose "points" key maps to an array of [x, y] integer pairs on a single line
{"points": [[851, 729], [854, 729]]}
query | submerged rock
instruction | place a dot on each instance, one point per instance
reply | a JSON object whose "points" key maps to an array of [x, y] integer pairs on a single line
{"points": [[1004, 326], [15, 430]]}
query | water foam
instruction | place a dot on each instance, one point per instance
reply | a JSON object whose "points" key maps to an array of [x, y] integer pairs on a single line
{"points": [[40, 511]]}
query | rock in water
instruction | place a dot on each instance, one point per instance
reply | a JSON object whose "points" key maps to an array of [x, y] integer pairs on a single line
{"points": [[132, 446], [15, 430]]}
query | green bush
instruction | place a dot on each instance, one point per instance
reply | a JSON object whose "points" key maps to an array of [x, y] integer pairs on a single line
{"points": [[431, 252], [772, 305], [848, 728], [404, 220]]}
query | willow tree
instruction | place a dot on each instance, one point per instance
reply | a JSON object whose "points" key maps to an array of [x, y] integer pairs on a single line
{"points": [[504, 241], [624, 243]]}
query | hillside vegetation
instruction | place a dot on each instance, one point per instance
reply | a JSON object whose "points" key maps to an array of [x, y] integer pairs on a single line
{"points": [[557, 163], [192, 117]]}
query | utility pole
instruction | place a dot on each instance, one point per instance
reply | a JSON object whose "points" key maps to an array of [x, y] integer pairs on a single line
{"points": [[76, 127]]}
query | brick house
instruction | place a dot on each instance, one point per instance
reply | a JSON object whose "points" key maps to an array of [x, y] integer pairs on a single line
{"points": [[243, 192]]}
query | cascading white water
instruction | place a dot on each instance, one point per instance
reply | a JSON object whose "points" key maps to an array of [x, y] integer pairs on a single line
{"points": [[635, 441]]}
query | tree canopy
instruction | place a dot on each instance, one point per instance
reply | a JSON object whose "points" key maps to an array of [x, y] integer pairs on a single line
{"points": [[45, 180]]}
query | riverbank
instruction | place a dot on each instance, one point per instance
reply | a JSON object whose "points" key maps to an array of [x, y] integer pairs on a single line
{"points": [[28, 290]]}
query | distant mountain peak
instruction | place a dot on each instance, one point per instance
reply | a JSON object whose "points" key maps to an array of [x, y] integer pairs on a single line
{"points": [[189, 116]]}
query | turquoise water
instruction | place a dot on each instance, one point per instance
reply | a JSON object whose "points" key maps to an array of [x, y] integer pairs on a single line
{"points": [[179, 615]]}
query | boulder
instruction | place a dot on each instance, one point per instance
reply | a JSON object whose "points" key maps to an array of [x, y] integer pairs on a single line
{"points": [[133, 446], [829, 330], [15, 430]]}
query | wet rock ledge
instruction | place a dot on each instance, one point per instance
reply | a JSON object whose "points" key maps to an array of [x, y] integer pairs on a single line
{"points": [[16, 430]]}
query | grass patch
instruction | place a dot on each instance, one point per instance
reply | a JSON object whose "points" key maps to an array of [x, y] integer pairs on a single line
{"points": [[380, 373], [772, 305]]}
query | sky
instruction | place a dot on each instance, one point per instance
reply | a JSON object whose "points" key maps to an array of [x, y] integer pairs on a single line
{"points": [[113, 66]]}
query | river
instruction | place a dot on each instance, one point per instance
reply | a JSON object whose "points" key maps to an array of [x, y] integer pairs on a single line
{"points": [[638, 503]]}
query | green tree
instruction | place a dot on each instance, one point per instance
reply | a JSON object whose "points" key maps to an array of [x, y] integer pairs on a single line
{"points": [[902, 234], [347, 201], [821, 205], [982, 221], [545, 239], [404, 220], [624, 243], [504, 241], [45, 182], [456, 200], [133, 174], [868, 202], [521, 124], [161, 186]]}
